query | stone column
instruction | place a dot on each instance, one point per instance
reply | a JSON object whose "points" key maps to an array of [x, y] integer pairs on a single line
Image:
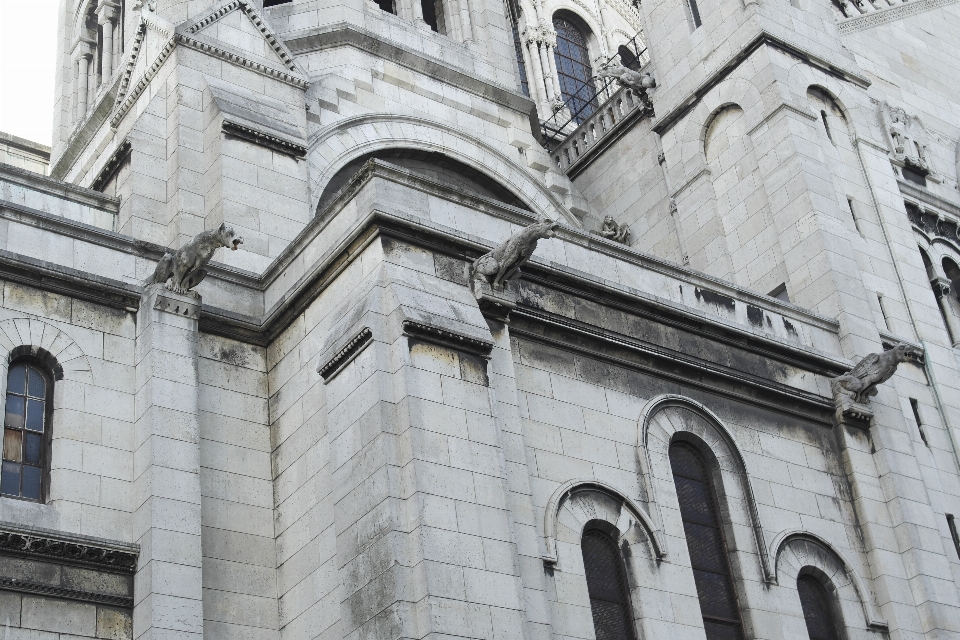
{"points": [[106, 17], [547, 69], [549, 44], [451, 18], [466, 24], [168, 599], [534, 72], [949, 308], [82, 53]]}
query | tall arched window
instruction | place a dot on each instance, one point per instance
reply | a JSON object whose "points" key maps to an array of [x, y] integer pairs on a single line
{"points": [[25, 432], [574, 70], [708, 551], [607, 585], [817, 609]]}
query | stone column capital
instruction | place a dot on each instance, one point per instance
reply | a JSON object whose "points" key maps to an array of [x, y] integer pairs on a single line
{"points": [[941, 287], [107, 12], [83, 48]]}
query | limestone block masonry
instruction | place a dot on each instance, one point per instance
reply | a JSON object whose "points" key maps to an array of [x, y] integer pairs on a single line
{"points": [[683, 367]]}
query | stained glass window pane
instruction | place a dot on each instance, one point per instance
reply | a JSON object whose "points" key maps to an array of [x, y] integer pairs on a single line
{"points": [[11, 444], [10, 479], [708, 553], [35, 415], [31, 482], [521, 67], [607, 587], [817, 612], [14, 414], [17, 380], [36, 385], [574, 70]]}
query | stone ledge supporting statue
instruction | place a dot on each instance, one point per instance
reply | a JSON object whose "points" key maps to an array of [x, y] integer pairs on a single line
{"points": [[493, 272], [612, 230], [852, 391], [184, 269]]}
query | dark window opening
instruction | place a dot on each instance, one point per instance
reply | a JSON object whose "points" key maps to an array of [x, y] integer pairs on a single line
{"points": [[430, 13], [826, 125], [916, 176], [952, 271], [853, 214], [386, 5], [916, 416], [25, 432], [817, 609], [952, 525], [607, 586], [574, 70], [695, 12], [521, 65], [273, 3], [780, 293], [883, 312], [706, 544]]}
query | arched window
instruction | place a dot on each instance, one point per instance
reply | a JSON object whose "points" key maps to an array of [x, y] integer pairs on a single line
{"points": [[607, 585], [708, 551], [952, 271], [817, 609], [574, 70], [25, 432]]}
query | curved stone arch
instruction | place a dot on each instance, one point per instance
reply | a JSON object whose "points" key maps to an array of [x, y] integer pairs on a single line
{"points": [[581, 10], [734, 91], [83, 11], [22, 336], [657, 429], [563, 508], [801, 77], [940, 248], [359, 135], [795, 550]]}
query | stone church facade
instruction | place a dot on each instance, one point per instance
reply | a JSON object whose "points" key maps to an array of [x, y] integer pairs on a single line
{"points": [[547, 319]]}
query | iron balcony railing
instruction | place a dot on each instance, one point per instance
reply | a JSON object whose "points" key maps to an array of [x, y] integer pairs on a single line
{"points": [[632, 55]]}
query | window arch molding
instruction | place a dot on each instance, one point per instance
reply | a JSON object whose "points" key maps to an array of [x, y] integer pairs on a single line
{"points": [[799, 553], [613, 507], [673, 418], [46, 345]]}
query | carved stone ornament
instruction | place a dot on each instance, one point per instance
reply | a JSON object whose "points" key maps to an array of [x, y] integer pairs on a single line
{"points": [[852, 391], [46, 548], [184, 269], [493, 272], [637, 81], [611, 230], [906, 136]]}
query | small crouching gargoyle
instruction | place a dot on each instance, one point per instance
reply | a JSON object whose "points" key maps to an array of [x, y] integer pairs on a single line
{"points": [[852, 391], [184, 269], [611, 230], [504, 262]]}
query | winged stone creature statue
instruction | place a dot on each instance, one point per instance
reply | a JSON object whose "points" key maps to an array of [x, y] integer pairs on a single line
{"points": [[638, 81], [184, 269], [874, 369], [504, 261]]}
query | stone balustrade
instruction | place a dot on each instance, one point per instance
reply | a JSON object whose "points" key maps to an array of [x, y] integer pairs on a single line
{"points": [[596, 127]]}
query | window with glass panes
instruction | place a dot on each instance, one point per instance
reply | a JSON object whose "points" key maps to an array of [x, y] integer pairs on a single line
{"points": [[574, 70], [607, 586], [24, 432], [708, 551], [817, 610]]}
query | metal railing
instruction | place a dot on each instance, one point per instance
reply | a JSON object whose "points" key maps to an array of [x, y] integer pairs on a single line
{"points": [[562, 123]]}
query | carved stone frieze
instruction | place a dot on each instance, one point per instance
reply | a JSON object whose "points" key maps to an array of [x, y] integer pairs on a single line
{"points": [[48, 548], [932, 223]]}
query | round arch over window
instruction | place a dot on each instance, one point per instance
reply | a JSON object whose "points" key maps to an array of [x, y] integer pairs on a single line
{"points": [[573, 69], [26, 431], [818, 609]]}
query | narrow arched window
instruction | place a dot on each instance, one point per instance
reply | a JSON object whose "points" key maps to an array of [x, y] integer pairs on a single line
{"points": [[574, 70], [817, 609], [607, 586], [25, 432], [705, 541]]}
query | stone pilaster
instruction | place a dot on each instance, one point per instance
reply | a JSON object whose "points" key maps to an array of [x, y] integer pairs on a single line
{"points": [[168, 596]]}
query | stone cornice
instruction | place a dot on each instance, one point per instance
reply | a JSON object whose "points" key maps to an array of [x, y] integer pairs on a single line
{"points": [[667, 120], [112, 165], [348, 352], [235, 56], [344, 34], [59, 547], [445, 338], [257, 137], [53, 187], [889, 14]]}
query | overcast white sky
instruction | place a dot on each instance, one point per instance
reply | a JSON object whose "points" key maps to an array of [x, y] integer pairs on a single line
{"points": [[28, 49]]}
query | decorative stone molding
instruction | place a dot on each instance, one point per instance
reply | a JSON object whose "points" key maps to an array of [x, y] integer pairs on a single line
{"points": [[883, 16], [59, 548], [907, 137], [262, 139], [933, 224], [56, 349], [446, 338], [568, 489], [541, 34], [110, 168], [346, 354], [852, 391]]}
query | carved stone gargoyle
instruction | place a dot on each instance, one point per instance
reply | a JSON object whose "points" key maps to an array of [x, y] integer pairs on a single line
{"points": [[612, 230], [852, 391], [493, 272], [184, 269]]}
